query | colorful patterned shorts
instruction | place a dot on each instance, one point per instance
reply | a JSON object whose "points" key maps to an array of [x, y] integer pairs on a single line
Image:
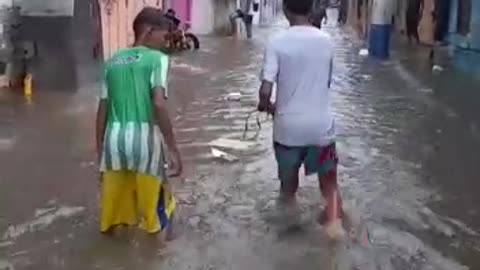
{"points": [[315, 159]]}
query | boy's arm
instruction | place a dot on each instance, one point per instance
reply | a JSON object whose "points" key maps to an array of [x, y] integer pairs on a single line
{"points": [[269, 77], [166, 127], [265, 104], [163, 119], [101, 121], [101, 124], [162, 115]]}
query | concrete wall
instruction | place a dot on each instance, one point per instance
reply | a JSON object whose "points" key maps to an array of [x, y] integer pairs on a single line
{"points": [[54, 64], [43, 7], [222, 10], [361, 24], [64, 46], [183, 8], [268, 11], [472, 40], [117, 22], [475, 26], [466, 47], [212, 16], [202, 17]]}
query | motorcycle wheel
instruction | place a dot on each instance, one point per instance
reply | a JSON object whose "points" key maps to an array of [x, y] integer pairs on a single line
{"points": [[192, 41]]}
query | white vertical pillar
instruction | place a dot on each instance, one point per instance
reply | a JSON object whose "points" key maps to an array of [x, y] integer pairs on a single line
{"points": [[202, 16]]}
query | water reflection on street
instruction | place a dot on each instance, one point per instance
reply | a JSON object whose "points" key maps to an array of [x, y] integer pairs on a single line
{"points": [[407, 172]]}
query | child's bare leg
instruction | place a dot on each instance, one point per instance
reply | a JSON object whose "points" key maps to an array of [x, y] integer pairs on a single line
{"points": [[334, 210], [171, 233]]}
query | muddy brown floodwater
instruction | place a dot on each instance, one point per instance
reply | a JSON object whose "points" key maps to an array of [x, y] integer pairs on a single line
{"points": [[408, 142]]}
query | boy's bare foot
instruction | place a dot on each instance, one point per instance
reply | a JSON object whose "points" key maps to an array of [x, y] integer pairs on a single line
{"points": [[334, 230], [116, 231]]}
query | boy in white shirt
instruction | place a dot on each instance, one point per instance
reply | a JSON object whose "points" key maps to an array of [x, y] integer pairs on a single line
{"points": [[299, 60]]}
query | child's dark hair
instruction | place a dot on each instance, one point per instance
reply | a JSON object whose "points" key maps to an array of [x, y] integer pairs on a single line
{"points": [[298, 7], [150, 16]]}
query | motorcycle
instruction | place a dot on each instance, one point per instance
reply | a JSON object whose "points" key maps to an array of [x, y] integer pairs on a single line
{"points": [[182, 40]]}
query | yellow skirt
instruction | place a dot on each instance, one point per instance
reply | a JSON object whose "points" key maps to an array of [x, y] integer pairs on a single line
{"points": [[130, 198]]}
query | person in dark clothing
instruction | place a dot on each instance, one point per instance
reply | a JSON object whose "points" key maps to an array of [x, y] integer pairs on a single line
{"points": [[414, 15], [172, 16], [243, 13], [441, 16], [319, 13], [342, 12], [359, 9]]}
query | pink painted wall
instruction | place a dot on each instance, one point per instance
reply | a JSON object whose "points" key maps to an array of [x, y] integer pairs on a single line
{"points": [[183, 9], [117, 17]]}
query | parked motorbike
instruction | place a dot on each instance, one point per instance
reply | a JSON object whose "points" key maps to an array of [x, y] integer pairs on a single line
{"points": [[182, 40]]}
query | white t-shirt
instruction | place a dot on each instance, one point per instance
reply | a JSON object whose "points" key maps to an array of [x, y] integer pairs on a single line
{"points": [[299, 61]]}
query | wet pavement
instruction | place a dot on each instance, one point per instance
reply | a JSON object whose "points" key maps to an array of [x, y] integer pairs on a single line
{"points": [[408, 142]]}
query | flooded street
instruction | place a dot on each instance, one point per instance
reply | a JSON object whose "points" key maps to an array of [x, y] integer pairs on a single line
{"points": [[408, 142]]}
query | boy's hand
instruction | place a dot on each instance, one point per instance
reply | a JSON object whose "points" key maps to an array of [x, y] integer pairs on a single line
{"points": [[100, 179], [268, 108], [176, 165]]}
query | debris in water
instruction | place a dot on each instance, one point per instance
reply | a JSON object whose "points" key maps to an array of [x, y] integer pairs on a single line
{"points": [[42, 211], [19, 253], [363, 52], [426, 90], [437, 69], [6, 244], [41, 222], [231, 144], [194, 221], [235, 96], [223, 155]]}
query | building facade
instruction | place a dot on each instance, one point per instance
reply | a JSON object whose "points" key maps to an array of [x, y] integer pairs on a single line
{"points": [[183, 8], [61, 33], [464, 34], [203, 16], [212, 16], [360, 17], [452, 22], [116, 17]]}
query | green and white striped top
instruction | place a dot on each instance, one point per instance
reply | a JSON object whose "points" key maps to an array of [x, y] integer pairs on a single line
{"points": [[132, 139]]}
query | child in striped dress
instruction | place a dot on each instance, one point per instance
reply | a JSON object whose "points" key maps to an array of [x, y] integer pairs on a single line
{"points": [[132, 127]]}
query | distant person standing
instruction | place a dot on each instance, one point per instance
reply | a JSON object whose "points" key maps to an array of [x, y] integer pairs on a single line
{"points": [[342, 12], [319, 13], [413, 16], [172, 15], [243, 13], [299, 61]]}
